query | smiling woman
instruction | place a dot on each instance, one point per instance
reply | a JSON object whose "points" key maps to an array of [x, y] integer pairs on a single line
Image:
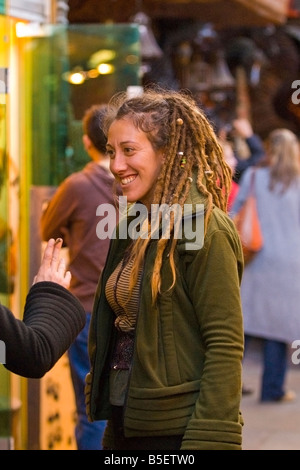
{"points": [[164, 153]]}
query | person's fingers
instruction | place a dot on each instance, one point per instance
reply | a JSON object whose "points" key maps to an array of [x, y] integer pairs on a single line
{"points": [[63, 274], [61, 266], [53, 268], [68, 277], [47, 256], [56, 252]]}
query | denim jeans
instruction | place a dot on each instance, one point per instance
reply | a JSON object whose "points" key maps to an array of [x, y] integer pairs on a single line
{"points": [[275, 362], [88, 435], [275, 366]]}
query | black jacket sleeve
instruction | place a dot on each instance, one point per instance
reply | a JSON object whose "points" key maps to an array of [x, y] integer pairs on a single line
{"points": [[52, 319]]}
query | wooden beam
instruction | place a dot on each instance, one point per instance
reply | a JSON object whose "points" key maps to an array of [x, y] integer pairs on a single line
{"points": [[223, 13]]}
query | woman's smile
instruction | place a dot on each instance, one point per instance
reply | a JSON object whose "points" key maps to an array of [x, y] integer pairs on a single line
{"points": [[127, 179]]}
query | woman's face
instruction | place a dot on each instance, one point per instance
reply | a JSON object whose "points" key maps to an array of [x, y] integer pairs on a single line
{"points": [[133, 161]]}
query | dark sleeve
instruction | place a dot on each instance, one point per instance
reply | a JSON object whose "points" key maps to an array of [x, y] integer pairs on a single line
{"points": [[256, 153], [52, 319]]}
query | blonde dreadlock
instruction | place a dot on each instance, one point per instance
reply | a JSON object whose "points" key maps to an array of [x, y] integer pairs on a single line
{"points": [[173, 122]]}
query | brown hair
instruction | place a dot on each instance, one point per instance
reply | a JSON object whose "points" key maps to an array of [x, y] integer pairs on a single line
{"points": [[174, 122], [283, 158], [92, 126]]}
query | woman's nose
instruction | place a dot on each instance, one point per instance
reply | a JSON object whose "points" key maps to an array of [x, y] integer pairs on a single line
{"points": [[118, 163]]}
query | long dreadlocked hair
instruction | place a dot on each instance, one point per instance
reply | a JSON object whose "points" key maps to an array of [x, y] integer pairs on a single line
{"points": [[174, 122]]}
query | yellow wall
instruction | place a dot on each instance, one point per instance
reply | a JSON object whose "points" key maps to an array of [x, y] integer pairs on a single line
{"points": [[13, 386]]}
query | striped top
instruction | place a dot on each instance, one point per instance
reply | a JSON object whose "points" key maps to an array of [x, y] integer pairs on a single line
{"points": [[116, 290], [126, 309]]}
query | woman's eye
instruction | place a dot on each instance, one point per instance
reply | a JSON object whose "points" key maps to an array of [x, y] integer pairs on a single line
{"points": [[128, 150], [110, 153]]}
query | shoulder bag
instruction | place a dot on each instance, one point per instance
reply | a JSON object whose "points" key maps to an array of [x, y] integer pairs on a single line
{"points": [[248, 225]]}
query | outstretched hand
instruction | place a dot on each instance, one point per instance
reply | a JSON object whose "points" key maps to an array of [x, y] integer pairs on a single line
{"points": [[53, 268], [242, 127]]}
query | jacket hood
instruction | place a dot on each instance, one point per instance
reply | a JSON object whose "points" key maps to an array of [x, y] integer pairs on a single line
{"points": [[190, 220], [194, 197]]}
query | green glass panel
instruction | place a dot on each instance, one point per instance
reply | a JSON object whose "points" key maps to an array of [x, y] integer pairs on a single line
{"points": [[57, 105], [2, 7]]}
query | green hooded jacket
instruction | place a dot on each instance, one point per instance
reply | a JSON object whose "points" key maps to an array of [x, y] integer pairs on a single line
{"points": [[186, 375]]}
